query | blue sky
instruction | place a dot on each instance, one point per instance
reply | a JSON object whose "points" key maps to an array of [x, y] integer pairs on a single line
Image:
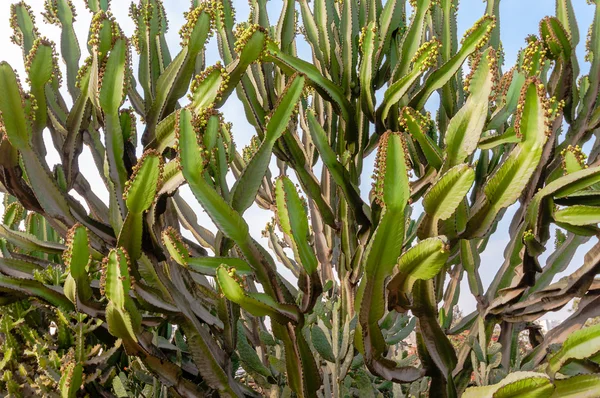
{"points": [[518, 19]]}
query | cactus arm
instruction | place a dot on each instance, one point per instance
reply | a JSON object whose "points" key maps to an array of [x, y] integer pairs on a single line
{"points": [[412, 40], [77, 257], [22, 21], [444, 197], [258, 304], [380, 256], [173, 82], [121, 314], [465, 128], [505, 186], [424, 58], [139, 195], [421, 262], [226, 218], [337, 170], [474, 39], [369, 42], [562, 187], [112, 93], [418, 125], [311, 31], [437, 344], [203, 265], [307, 179], [495, 140], [62, 13], [74, 140], [42, 68], [325, 87], [294, 222], [251, 46], [509, 100], [37, 289], [246, 187]]}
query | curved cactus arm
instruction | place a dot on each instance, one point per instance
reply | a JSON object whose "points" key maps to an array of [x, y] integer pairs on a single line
{"points": [[203, 265], [251, 47], [580, 344], [383, 249], [112, 94], [505, 186], [423, 59], [191, 159], [418, 127], [437, 345], [173, 82], [338, 172], [495, 140], [474, 39], [258, 304], [516, 383], [369, 42], [507, 99], [421, 262], [562, 187], [578, 215], [444, 197], [22, 22], [465, 128], [412, 39], [42, 68], [139, 195], [77, 257], [37, 289], [29, 242], [151, 25], [293, 220], [246, 187], [121, 314], [62, 12], [580, 386], [325, 87]]}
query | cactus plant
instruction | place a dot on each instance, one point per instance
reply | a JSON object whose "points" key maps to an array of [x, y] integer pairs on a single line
{"points": [[134, 297]]}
